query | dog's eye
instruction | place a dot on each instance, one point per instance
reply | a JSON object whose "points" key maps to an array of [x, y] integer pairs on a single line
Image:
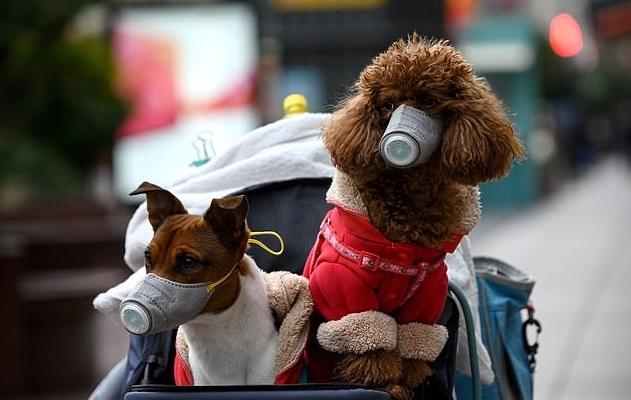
{"points": [[148, 261], [388, 105], [187, 262], [428, 103]]}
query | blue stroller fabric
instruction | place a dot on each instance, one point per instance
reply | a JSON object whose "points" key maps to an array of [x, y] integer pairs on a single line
{"points": [[150, 360], [440, 385], [504, 292]]}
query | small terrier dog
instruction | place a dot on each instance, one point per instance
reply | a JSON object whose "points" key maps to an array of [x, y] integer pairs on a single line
{"points": [[377, 272], [233, 340]]}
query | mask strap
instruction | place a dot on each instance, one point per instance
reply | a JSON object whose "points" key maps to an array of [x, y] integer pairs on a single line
{"points": [[211, 286], [264, 246]]}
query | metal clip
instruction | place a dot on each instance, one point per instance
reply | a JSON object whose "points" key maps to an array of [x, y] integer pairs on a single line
{"points": [[531, 348], [206, 141], [369, 261]]}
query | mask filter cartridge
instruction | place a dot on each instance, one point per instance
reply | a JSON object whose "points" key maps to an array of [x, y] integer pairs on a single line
{"points": [[157, 304], [410, 137]]}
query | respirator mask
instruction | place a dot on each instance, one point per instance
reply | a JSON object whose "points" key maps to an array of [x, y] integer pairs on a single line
{"points": [[157, 304], [410, 137]]}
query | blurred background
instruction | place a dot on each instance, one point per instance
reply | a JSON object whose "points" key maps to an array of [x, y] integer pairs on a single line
{"points": [[97, 96]]}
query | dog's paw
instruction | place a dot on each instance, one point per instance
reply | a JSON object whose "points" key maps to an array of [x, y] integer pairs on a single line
{"points": [[398, 392], [414, 372], [374, 368]]}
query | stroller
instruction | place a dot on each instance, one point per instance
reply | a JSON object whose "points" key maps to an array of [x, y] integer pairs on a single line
{"points": [[285, 172]]}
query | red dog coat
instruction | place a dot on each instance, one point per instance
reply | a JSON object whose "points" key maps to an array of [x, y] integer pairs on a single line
{"points": [[353, 268]]}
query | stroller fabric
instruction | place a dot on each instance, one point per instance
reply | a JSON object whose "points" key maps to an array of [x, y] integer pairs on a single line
{"points": [[504, 292]]}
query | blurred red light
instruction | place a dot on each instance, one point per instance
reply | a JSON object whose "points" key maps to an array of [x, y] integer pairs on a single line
{"points": [[565, 35]]}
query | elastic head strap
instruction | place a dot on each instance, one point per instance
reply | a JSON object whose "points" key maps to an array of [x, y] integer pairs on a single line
{"points": [[211, 286], [264, 246]]}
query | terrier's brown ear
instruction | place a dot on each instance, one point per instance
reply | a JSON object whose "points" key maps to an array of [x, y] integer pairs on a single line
{"points": [[227, 218], [160, 203], [479, 142]]}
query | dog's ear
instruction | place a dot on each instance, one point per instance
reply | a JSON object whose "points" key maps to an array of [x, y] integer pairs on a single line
{"points": [[227, 218], [160, 203], [479, 142], [351, 136]]}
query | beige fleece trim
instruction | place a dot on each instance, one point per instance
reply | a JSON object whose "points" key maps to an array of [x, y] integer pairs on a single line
{"points": [[343, 192], [181, 346], [290, 300], [421, 342], [359, 333], [472, 210]]}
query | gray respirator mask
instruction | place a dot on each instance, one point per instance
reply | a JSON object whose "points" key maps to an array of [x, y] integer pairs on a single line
{"points": [[410, 137], [157, 304]]}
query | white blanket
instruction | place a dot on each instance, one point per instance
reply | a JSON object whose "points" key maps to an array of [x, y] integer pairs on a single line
{"points": [[461, 272], [284, 150]]}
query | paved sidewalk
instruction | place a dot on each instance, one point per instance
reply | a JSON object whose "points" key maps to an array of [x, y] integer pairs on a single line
{"points": [[577, 244]]}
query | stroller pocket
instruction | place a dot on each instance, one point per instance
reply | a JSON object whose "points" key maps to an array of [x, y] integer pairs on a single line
{"points": [[510, 362], [504, 292]]}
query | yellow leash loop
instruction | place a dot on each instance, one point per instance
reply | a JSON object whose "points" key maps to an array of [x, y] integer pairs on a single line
{"points": [[264, 246]]}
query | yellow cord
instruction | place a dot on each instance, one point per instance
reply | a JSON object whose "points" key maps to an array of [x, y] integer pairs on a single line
{"points": [[264, 246], [211, 286]]}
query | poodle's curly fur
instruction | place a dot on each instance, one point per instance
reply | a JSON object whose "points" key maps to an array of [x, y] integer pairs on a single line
{"points": [[423, 204], [375, 368]]}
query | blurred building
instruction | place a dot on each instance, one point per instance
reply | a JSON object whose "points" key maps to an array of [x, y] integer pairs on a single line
{"points": [[323, 45], [222, 68]]}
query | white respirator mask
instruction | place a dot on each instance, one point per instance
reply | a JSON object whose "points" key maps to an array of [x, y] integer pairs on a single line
{"points": [[410, 137]]}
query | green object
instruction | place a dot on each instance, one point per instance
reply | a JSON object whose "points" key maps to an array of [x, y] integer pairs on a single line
{"points": [[199, 163], [58, 108], [514, 77]]}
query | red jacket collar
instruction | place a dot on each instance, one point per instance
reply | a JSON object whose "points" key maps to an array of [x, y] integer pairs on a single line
{"points": [[359, 226]]}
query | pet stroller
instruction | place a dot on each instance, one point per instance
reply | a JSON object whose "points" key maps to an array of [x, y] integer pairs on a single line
{"points": [[285, 172]]}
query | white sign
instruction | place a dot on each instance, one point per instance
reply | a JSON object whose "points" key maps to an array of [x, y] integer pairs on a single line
{"points": [[186, 71]]}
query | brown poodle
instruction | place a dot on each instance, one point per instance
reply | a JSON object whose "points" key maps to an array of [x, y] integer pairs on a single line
{"points": [[422, 204], [425, 205]]}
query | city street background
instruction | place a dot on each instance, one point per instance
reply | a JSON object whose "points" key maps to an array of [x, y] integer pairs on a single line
{"points": [[576, 244], [98, 96]]}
